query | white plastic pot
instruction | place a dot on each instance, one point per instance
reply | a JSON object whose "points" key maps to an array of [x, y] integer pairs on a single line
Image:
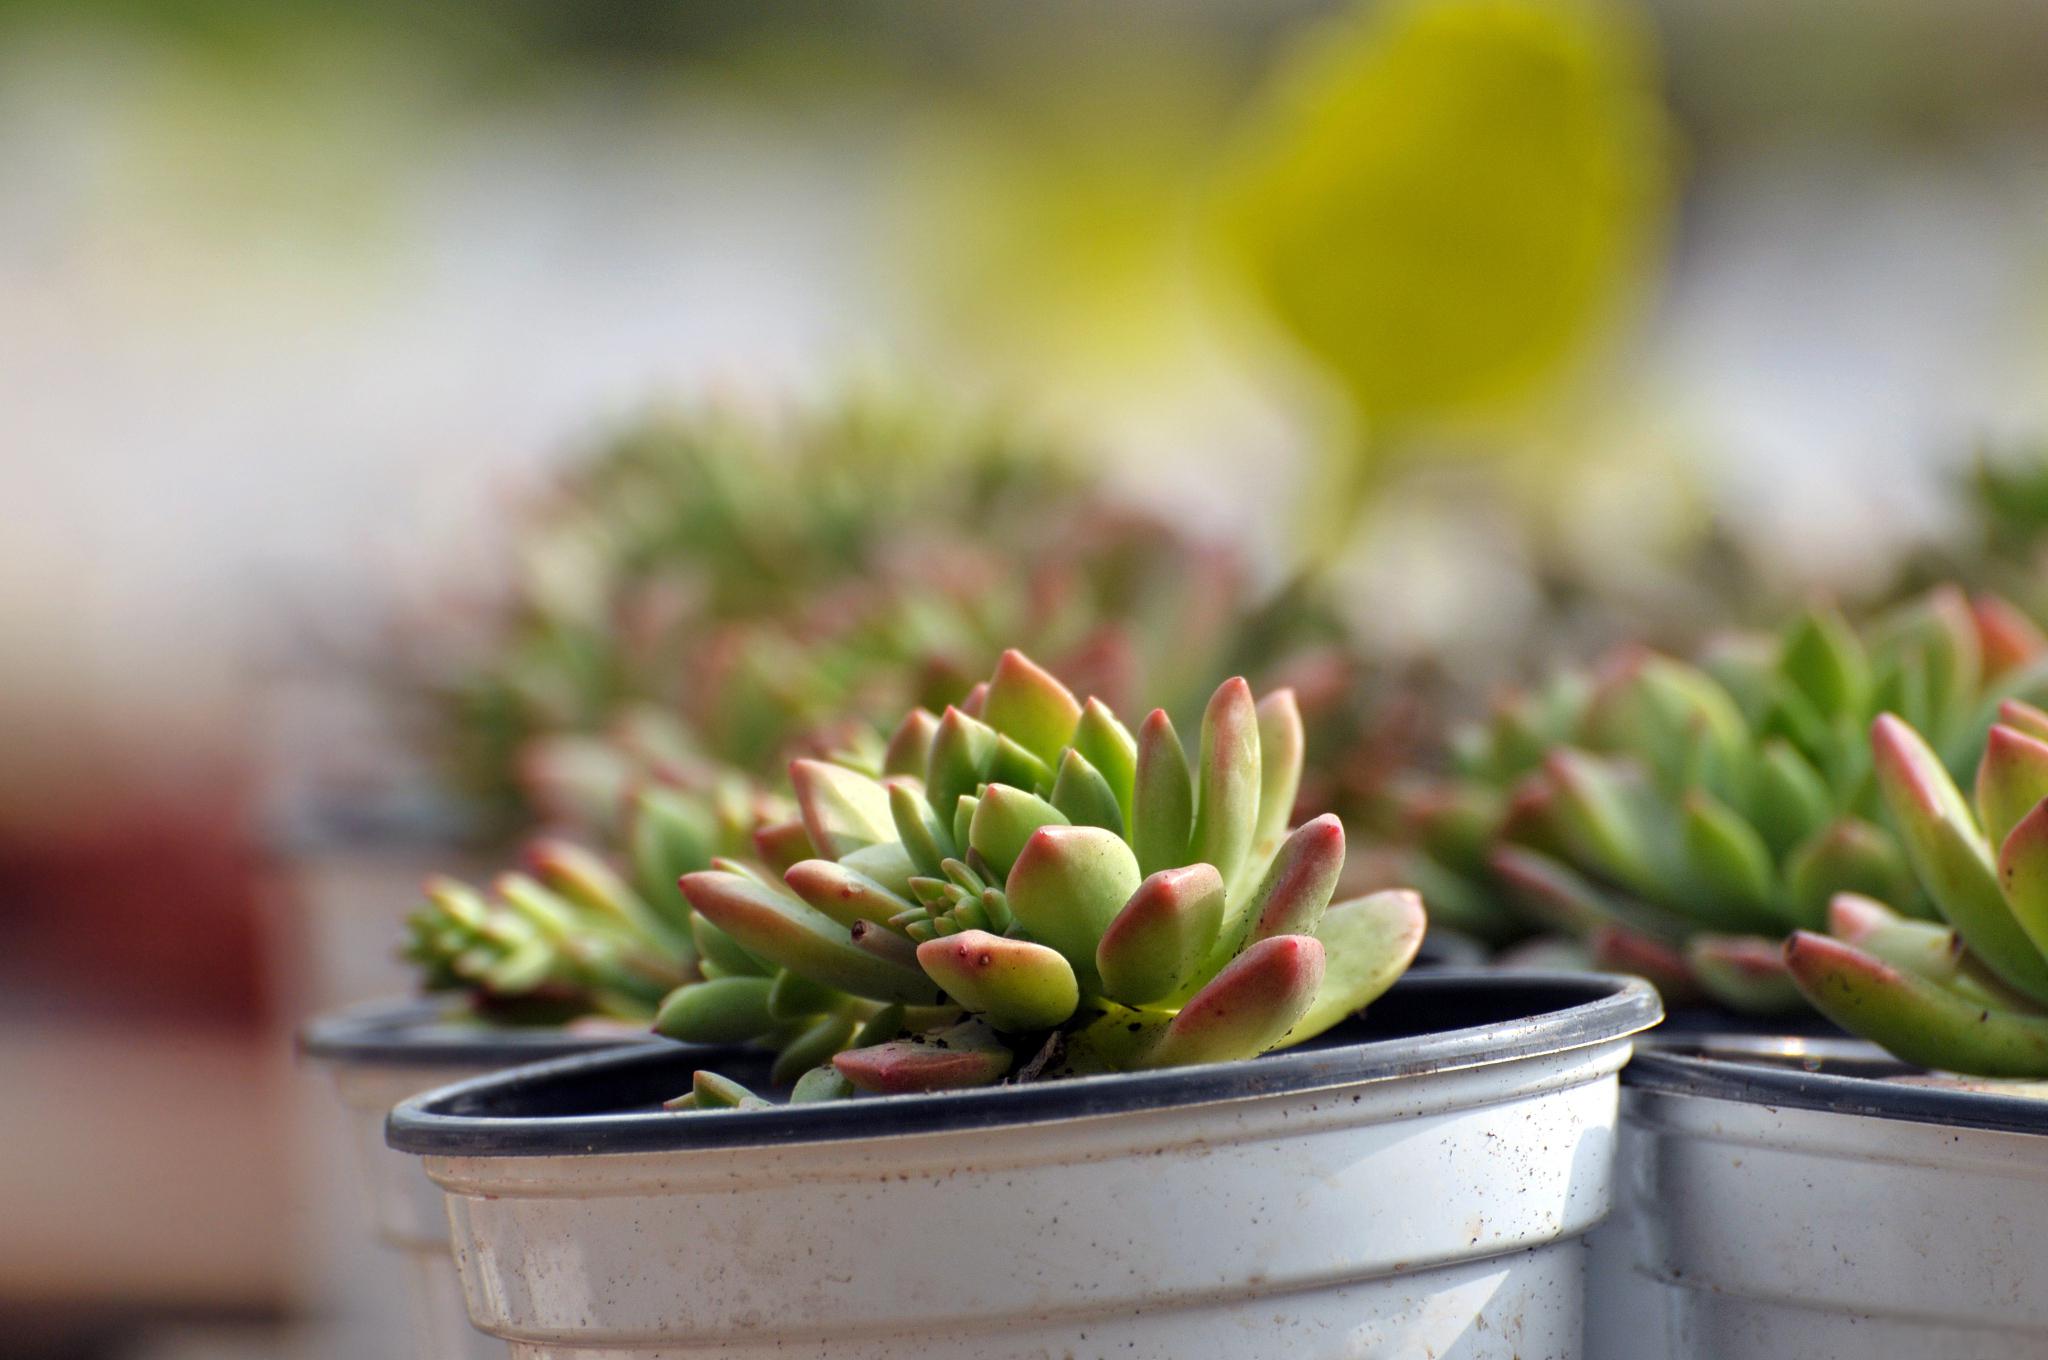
{"points": [[1815, 1199], [379, 1055], [1414, 1184]]}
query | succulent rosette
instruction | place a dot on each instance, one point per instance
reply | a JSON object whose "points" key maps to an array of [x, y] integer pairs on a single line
{"points": [[1022, 887], [1680, 819], [1969, 992], [571, 934]]}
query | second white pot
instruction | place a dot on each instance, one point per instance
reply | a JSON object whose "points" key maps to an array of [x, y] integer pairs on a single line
{"points": [[1416, 1184], [378, 1055], [1815, 1199]]}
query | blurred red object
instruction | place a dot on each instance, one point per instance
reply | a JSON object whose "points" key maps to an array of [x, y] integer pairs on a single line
{"points": [[148, 909]]}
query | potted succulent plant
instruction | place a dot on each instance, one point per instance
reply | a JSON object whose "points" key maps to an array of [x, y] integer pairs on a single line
{"points": [[1016, 981], [1680, 820], [1839, 1200], [566, 957]]}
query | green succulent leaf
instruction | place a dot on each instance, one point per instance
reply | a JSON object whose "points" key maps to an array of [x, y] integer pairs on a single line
{"points": [[776, 925], [1109, 746], [1916, 1019], [1157, 945], [1950, 856], [1013, 984], [1067, 886], [843, 810], [1026, 702], [1085, 798], [1228, 778], [1004, 820], [722, 1011], [1163, 800]]}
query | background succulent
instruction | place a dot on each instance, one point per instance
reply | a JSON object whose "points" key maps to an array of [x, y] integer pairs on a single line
{"points": [[717, 592], [570, 934], [1024, 887], [1970, 993], [1680, 818]]}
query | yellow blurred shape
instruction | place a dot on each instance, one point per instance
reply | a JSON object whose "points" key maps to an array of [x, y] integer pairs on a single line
{"points": [[1444, 199]]}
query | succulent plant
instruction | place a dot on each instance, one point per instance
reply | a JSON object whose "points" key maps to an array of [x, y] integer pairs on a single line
{"points": [[1968, 994], [1682, 818], [1023, 887], [568, 934], [714, 593]]}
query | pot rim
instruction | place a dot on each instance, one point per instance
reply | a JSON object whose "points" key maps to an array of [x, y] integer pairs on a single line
{"points": [[1558, 1013], [416, 1031], [1791, 1072]]}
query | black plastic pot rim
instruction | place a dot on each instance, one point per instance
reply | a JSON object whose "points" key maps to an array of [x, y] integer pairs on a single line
{"points": [[1546, 1015], [1844, 1077], [419, 1032]]}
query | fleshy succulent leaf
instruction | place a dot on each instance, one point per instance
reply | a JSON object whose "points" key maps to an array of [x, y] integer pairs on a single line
{"points": [[1163, 801], [1158, 942], [1081, 793], [925, 840], [1109, 746], [1247, 1008], [2023, 717], [1013, 984], [2023, 873], [843, 809], [1228, 777], [1026, 702], [1368, 942], [2007, 639], [1726, 852], [791, 996], [2012, 778], [1792, 799], [820, 1084], [1825, 660], [1283, 745], [909, 751], [721, 1011], [1067, 886], [843, 894], [1745, 973], [1916, 1019], [1848, 856], [966, 1055], [817, 1043], [1004, 820], [963, 747], [1950, 856], [777, 925], [1298, 884], [667, 836]]}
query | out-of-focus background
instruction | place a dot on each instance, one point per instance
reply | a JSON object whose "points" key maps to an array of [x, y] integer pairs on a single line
{"points": [[1487, 309]]}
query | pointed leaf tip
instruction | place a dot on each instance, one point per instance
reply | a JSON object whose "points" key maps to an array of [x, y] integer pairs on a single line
{"points": [[1029, 704]]}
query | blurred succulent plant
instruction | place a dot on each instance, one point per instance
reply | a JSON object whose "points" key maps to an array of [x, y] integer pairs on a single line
{"points": [[1021, 885], [1680, 819], [695, 562], [1968, 994], [571, 935], [682, 613]]}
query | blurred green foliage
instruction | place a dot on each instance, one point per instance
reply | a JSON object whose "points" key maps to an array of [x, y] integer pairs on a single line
{"points": [[1445, 199]]}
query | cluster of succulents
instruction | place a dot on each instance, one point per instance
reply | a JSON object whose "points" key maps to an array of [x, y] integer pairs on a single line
{"points": [[718, 593], [692, 562], [1968, 993], [1022, 887], [569, 934], [1681, 819]]}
